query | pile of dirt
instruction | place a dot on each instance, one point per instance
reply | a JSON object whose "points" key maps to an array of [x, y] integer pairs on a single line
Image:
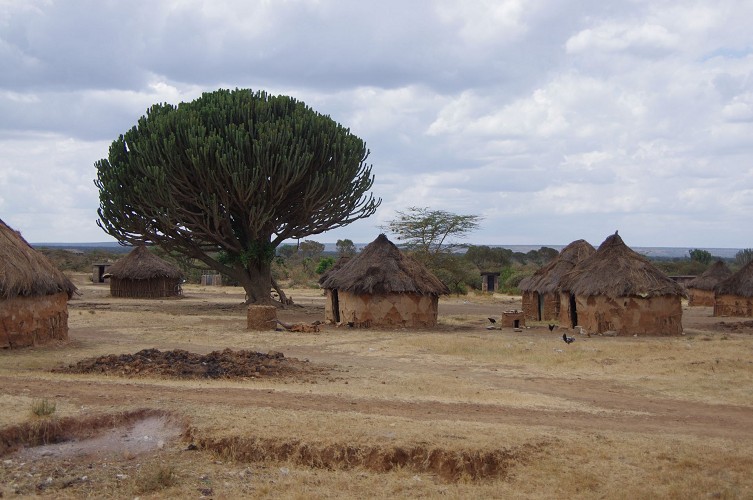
{"points": [[742, 326], [186, 365]]}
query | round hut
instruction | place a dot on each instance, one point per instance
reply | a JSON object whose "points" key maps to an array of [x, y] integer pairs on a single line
{"points": [[541, 298], [33, 294], [619, 290], [381, 286], [141, 274], [734, 295], [701, 289]]}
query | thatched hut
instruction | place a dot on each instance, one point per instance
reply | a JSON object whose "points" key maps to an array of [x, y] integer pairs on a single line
{"points": [[541, 298], [141, 274], [701, 289], [381, 286], [33, 294], [619, 290], [734, 295]]}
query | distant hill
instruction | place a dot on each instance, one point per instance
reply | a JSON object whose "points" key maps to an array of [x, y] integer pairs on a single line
{"points": [[108, 246], [651, 252]]}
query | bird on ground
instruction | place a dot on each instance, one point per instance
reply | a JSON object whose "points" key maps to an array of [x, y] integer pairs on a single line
{"points": [[492, 320], [551, 327], [568, 340]]}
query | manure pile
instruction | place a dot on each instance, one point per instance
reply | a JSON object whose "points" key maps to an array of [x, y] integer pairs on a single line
{"points": [[226, 364]]}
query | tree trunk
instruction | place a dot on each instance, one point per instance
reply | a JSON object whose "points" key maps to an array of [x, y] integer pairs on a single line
{"points": [[257, 282]]}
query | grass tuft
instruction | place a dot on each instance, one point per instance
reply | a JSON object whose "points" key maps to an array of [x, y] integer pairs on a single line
{"points": [[43, 408], [158, 478]]}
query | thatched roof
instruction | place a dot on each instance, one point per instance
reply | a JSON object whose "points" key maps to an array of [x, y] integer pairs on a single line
{"points": [[615, 270], [336, 267], [382, 268], [141, 264], [547, 279], [711, 277], [26, 272], [740, 283]]}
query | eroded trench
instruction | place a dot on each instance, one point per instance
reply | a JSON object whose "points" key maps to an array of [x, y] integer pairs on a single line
{"points": [[148, 430]]}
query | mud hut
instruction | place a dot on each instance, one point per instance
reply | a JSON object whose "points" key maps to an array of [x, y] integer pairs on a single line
{"points": [[734, 295], [381, 286], [141, 274], [619, 290], [33, 294], [541, 298], [701, 289]]}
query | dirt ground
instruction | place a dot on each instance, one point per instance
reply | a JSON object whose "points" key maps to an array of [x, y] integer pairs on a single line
{"points": [[175, 397]]}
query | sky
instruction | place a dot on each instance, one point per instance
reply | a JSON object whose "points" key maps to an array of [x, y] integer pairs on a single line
{"points": [[552, 120]]}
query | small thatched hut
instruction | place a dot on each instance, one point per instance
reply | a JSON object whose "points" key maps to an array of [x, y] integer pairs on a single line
{"points": [[141, 274], [701, 289], [33, 294], [541, 299], [734, 295], [619, 290], [381, 286]]}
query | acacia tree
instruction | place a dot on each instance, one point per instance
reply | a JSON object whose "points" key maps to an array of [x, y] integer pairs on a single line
{"points": [[228, 177], [431, 232], [430, 235]]}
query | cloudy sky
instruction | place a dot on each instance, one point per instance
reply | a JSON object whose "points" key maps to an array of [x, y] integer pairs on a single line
{"points": [[554, 120]]}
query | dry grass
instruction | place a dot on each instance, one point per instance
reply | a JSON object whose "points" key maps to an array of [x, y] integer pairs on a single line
{"points": [[600, 418]]}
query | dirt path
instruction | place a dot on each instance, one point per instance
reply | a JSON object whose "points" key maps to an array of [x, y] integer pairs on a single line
{"points": [[630, 413]]}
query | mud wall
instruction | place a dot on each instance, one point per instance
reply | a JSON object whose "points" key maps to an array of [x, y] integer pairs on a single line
{"points": [[733, 305], [146, 289], [625, 315], [387, 310], [531, 306], [550, 306], [698, 297], [27, 321]]}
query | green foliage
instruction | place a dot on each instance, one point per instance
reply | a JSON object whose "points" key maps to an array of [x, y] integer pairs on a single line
{"points": [[287, 251], [543, 255], [81, 260], [311, 249], [488, 259], [233, 171], [345, 248], [744, 256], [43, 408], [452, 269], [702, 256], [429, 231], [325, 264], [680, 267]]}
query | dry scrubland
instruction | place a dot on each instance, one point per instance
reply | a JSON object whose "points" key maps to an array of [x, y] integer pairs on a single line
{"points": [[458, 411]]}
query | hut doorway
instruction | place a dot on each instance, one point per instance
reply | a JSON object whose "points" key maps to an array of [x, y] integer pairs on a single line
{"points": [[335, 306], [540, 308], [98, 273], [490, 282], [573, 311]]}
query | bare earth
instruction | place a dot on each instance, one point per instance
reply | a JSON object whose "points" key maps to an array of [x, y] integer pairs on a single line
{"points": [[460, 411]]}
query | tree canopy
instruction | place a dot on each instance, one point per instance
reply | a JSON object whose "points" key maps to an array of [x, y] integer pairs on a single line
{"points": [[431, 231], [702, 256], [236, 172]]}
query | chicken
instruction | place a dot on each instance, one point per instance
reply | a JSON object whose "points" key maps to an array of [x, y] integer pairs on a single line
{"points": [[568, 340]]}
